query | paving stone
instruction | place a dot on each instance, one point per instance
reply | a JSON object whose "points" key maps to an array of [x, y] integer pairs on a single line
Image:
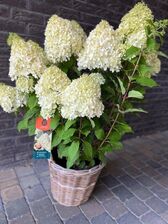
{"points": [[40, 165], [164, 216], [1, 205], [128, 218], [78, 219], [142, 192], [29, 181], [114, 207], [24, 170], [42, 208], [152, 218], [122, 192], [52, 219], [92, 208], [157, 205], [136, 206], [160, 191], [8, 183], [102, 193], [163, 171], [11, 193], [145, 180], [154, 164], [45, 181], [163, 180], [35, 193], [3, 219], [133, 171], [16, 208], [129, 182], [67, 212], [110, 181], [103, 219], [7, 174], [25, 219], [150, 171]]}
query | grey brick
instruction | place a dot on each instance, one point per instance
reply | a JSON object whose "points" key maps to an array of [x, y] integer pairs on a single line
{"points": [[152, 218], [29, 181], [150, 171], [129, 182], [142, 192], [16, 208], [3, 219], [132, 171], [128, 218], [92, 208], [25, 219], [52, 219], [160, 191], [103, 218], [157, 205], [24, 170], [110, 181], [122, 192], [80, 218], [114, 207], [67, 212], [137, 206], [145, 180], [35, 193], [154, 164], [102, 193], [42, 208]]}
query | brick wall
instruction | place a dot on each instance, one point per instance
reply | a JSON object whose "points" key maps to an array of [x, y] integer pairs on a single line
{"points": [[28, 18]]}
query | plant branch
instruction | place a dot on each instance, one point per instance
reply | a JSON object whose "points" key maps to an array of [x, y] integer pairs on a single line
{"points": [[123, 100]]}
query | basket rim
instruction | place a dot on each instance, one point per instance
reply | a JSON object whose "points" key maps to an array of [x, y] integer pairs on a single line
{"points": [[61, 169]]}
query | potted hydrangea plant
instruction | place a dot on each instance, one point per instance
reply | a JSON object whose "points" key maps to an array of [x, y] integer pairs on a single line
{"points": [[84, 86]]}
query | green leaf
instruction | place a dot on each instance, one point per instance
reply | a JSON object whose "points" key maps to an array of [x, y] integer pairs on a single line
{"points": [[31, 130], [73, 154], [31, 112], [57, 136], [85, 131], [55, 121], [115, 136], [32, 101], [124, 128], [62, 151], [68, 134], [121, 86], [99, 133], [92, 123], [69, 123], [144, 69], [132, 52], [151, 44], [135, 94], [134, 110], [163, 54], [23, 124], [88, 151], [145, 81]]}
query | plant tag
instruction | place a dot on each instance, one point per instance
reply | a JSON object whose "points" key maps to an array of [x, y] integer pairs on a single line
{"points": [[43, 137]]}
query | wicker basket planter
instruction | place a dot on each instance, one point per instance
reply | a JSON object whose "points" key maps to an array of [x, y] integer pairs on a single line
{"points": [[72, 187]]}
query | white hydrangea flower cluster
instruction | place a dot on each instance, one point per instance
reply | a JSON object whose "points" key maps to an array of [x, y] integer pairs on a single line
{"points": [[154, 62], [132, 26], [26, 58], [25, 84], [63, 38], [82, 98], [103, 49], [49, 88], [10, 98]]}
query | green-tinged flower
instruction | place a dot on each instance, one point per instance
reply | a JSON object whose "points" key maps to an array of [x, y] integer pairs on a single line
{"points": [[82, 98], [154, 62], [63, 38], [10, 98], [24, 84], [26, 58], [49, 88], [133, 24], [103, 49]]}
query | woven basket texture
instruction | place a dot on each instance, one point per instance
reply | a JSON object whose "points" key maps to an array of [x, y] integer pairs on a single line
{"points": [[72, 187]]}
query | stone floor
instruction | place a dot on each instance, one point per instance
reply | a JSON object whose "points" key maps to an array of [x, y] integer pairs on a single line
{"points": [[133, 189]]}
